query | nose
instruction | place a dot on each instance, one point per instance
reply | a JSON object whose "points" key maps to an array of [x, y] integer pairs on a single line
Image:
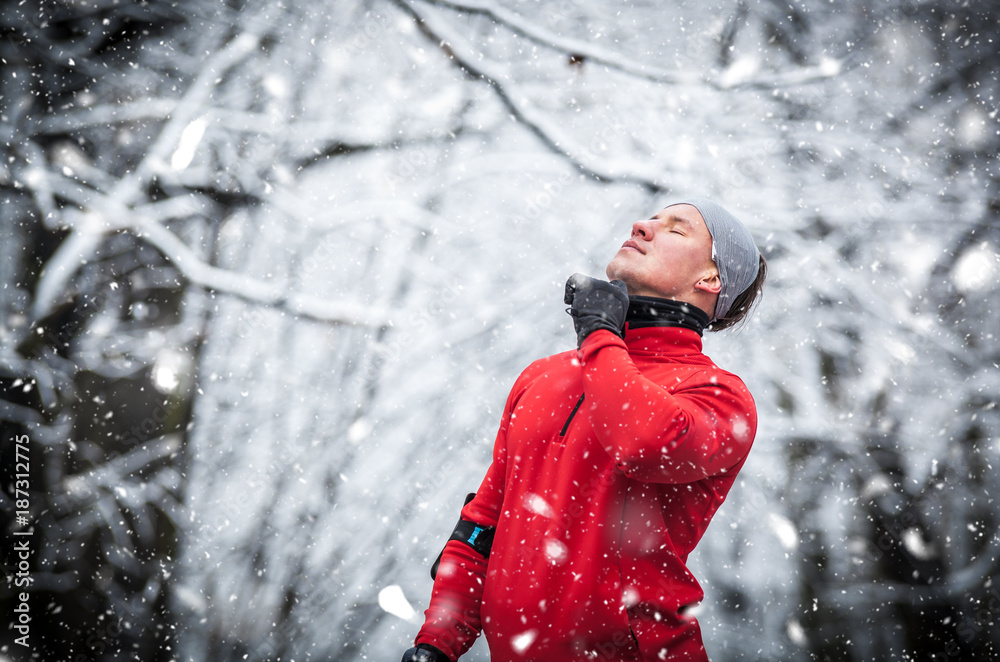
{"points": [[643, 229]]}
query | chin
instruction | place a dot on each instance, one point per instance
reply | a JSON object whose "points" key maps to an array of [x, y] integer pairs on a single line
{"points": [[616, 272], [624, 276]]}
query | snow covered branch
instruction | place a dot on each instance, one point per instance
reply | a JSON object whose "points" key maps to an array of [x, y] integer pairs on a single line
{"points": [[252, 289], [102, 115], [571, 46], [86, 238], [188, 108], [115, 210], [959, 583], [729, 79], [229, 119], [478, 68], [90, 225]]}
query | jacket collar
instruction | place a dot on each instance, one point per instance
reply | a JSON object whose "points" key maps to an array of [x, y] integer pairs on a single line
{"points": [[656, 311]]}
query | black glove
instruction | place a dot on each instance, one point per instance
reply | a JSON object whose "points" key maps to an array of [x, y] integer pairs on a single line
{"points": [[424, 653], [596, 304]]}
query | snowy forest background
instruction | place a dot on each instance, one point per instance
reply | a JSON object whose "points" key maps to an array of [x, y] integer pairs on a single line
{"points": [[269, 269]]}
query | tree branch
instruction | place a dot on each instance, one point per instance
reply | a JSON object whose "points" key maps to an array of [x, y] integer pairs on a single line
{"points": [[89, 229], [618, 62], [477, 68], [188, 107], [86, 238], [252, 289], [959, 584], [102, 115]]}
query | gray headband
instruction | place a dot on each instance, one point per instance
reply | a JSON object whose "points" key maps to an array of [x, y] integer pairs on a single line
{"points": [[733, 250]]}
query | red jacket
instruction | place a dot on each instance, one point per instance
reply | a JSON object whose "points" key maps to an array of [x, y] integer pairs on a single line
{"points": [[597, 504]]}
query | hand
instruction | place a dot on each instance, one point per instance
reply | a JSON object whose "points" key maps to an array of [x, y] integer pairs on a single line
{"points": [[596, 304], [424, 653]]}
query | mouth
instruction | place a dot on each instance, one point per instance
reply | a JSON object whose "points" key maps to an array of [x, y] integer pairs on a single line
{"points": [[631, 244]]}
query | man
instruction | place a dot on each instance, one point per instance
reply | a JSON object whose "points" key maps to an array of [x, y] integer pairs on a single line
{"points": [[609, 463]]}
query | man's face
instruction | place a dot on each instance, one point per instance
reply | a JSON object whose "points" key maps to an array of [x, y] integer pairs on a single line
{"points": [[668, 256]]}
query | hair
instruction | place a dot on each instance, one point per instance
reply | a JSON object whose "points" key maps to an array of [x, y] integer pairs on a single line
{"points": [[744, 302]]}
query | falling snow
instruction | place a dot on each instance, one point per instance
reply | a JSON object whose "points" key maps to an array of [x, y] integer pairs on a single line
{"points": [[268, 274]]}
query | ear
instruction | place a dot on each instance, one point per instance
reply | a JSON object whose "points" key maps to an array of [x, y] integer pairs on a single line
{"points": [[710, 283]]}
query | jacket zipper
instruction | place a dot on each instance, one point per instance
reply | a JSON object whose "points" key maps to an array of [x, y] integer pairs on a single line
{"points": [[571, 415]]}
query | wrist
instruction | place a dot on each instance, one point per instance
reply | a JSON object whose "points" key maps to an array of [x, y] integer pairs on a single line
{"points": [[433, 653], [597, 340]]}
